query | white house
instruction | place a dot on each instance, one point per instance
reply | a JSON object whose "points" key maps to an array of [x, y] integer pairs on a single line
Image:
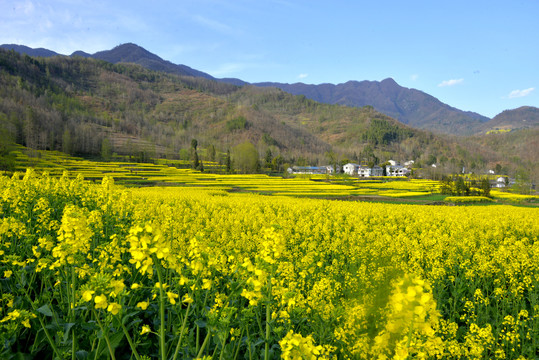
{"points": [[392, 162], [377, 171], [396, 170], [500, 182], [364, 171], [311, 170], [350, 169]]}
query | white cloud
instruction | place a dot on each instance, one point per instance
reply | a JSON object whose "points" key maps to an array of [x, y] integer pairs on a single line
{"points": [[520, 93], [302, 76], [451, 82], [414, 77]]}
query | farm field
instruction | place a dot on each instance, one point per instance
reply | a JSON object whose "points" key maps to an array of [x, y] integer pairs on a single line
{"points": [[97, 270], [176, 173]]}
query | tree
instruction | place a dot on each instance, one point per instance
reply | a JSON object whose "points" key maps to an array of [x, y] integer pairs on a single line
{"points": [[332, 159], [7, 159], [268, 158], [246, 157], [460, 187], [431, 159], [485, 187], [106, 149], [277, 164], [195, 164], [523, 183], [228, 162], [67, 144], [211, 153]]}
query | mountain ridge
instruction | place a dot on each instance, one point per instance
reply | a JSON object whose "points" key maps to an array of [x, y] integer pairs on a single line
{"points": [[409, 106], [523, 117], [81, 105]]}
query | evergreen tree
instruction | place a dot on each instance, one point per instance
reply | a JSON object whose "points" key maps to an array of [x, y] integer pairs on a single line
{"points": [[228, 162], [268, 158], [485, 187], [194, 155]]}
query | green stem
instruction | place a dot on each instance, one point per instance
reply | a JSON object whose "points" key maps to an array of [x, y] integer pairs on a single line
{"points": [[72, 310], [239, 345], [73, 285], [49, 338], [181, 332], [268, 315], [105, 335], [97, 348], [249, 344], [206, 340], [197, 339], [72, 344], [129, 340], [215, 352], [161, 312]]}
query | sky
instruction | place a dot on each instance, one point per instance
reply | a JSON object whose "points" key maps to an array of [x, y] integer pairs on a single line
{"points": [[475, 55]]}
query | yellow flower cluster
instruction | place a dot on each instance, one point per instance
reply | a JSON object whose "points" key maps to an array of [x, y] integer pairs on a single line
{"points": [[412, 318], [19, 316], [74, 236], [296, 347], [144, 245]]}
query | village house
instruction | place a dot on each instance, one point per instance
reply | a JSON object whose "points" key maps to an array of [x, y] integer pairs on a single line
{"points": [[311, 170], [350, 169], [377, 171], [397, 170], [500, 182], [362, 170]]}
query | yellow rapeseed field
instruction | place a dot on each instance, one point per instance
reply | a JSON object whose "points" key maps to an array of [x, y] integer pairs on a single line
{"points": [[98, 271]]}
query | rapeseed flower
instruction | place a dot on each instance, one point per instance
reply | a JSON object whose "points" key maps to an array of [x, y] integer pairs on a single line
{"points": [[143, 305], [145, 330]]}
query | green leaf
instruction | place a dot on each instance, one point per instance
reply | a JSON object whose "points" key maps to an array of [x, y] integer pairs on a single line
{"points": [[45, 310], [116, 339], [82, 354], [67, 329], [200, 323]]}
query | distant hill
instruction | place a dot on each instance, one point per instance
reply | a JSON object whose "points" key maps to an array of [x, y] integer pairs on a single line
{"points": [[125, 53], [409, 106], [131, 53], [81, 54], [524, 117], [29, 51], [81, 105], [75, 104]]}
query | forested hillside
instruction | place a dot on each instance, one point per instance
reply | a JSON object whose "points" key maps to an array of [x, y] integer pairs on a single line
{"points": [[94, 108]]}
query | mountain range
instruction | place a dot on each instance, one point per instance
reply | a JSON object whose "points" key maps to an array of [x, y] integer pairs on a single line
{"points": [[409, 106], [84, 103]]}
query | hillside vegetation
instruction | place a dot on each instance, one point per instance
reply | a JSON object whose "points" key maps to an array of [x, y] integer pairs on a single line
{"points": [[89, 107]]}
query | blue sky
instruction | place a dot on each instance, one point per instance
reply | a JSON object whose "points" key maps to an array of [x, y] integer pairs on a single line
{"points": [[480, 56]]}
